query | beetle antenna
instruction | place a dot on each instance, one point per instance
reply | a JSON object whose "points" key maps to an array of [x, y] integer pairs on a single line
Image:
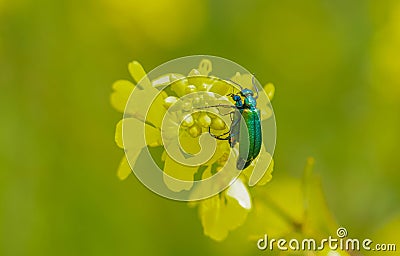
{"points": [[253, 80], [241, 88]]}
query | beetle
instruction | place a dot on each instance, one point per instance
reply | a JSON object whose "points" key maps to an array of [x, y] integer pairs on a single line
{"points": [[245, 108]]}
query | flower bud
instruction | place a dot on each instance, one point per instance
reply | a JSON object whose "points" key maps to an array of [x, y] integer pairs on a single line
{"points": [[212, 112], [169, 101], [204, 120], [178, 86], [203, 87], [194, 72], [187, 106], [190, 88], [194, 131], [188, 121], [196, 101], [217, 124]]}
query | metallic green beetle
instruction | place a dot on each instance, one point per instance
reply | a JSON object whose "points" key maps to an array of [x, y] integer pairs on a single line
{"points": [[251, 116]]}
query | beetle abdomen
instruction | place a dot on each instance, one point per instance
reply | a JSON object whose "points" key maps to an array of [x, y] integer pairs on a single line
{"points": [[248, 153]]}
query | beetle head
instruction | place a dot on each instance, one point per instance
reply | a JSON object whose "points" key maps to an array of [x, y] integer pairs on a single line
{"points": [[236, 97]]}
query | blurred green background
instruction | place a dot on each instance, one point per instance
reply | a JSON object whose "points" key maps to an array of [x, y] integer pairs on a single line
{"points": [[335, 65]]}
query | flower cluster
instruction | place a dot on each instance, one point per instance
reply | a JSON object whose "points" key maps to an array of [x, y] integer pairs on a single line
{"points": [[220, 213]]}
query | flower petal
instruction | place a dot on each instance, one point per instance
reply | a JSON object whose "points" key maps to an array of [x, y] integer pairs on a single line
{"points": [[269, 90], [153, 136], [137, 72], [207, 173], [138, 105], [260, 171], [264, 106], [122, 91], [176, 174], [205, 67], [189, 144], [118, 134], [157, 110], [223, 213], [239, 192], [222, 149], [124, 170], [268, 175], [220, 87], [132, 128]]}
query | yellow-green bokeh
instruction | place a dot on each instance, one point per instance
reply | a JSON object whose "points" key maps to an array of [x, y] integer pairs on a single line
{"points": [[335, 66]]}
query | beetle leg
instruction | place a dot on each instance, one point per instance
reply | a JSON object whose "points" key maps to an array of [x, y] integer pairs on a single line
{"points": [[229, 113], [226, 106], [235, 123], [219, 137]]}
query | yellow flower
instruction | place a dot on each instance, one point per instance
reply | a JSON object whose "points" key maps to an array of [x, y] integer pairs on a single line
{"points": [[170, 121], [226, 211], [119, 98], [195, 125]]}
